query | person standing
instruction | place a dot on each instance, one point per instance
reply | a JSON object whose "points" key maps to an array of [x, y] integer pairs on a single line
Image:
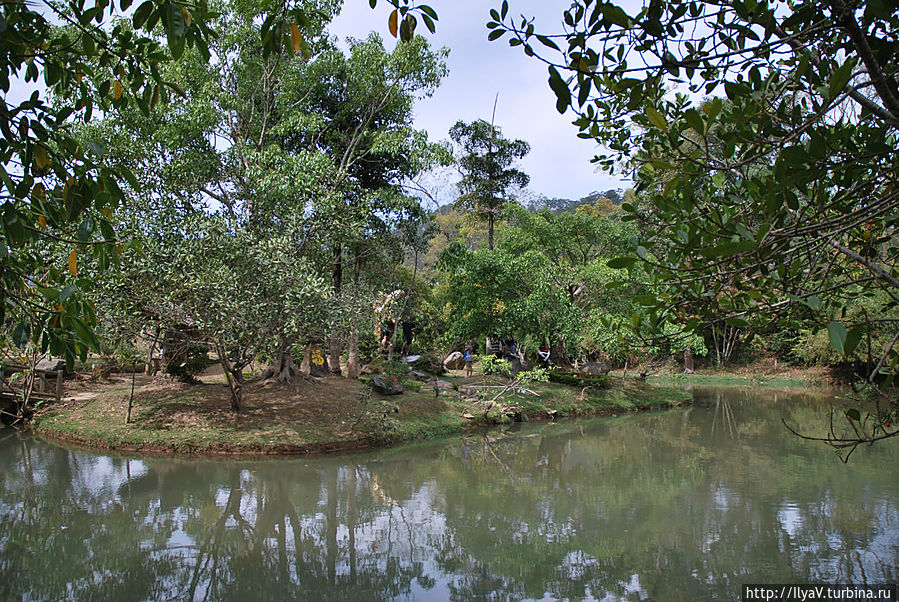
{"points": [[409, 327], [468, 358], [543, 354]]}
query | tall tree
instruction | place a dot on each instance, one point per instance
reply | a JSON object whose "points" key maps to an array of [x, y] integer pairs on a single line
{"points": [[311, 153], [778, 190], [487, 168], [363, 103], [56, 190]]}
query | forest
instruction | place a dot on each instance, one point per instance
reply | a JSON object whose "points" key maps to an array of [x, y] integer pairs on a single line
{"points": [[224, 182]]}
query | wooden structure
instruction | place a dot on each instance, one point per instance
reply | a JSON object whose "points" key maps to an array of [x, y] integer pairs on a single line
{"points": [[47, 383]]}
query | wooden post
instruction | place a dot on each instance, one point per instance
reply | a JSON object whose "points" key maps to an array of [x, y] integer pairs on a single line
{"points": [[59, 384]]}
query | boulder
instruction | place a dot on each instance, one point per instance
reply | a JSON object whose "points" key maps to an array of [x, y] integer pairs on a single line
{"points": [[384, 388], [515, 366], [429, 363], [454, 361], [368, 369], [419, 376], [596, 368], [51, 365]]}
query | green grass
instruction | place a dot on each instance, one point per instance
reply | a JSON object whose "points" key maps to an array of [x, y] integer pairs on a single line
{"points": [[188, 422], [730, 379]]}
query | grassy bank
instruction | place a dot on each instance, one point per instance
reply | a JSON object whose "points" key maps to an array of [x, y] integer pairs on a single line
{"points": [[753, 375], [331, 414]]}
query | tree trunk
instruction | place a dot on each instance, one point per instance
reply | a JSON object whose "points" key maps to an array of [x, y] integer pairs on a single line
{"points": [[353, 364], [560, 355], [353, 367], [153, 364], [286, 370], [490, 231], [282, 366], [234, 376], [336, 346], [306, 364], [725, 342]]}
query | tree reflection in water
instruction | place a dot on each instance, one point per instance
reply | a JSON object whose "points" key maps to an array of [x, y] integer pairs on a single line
{"points": [[678, 506]]}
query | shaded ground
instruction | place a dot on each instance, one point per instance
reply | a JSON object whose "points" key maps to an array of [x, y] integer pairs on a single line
{"points": [[311, 416]]}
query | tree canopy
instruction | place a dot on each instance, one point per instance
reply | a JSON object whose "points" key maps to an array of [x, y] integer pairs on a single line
{"points": [[488, 172], [763, 139]]}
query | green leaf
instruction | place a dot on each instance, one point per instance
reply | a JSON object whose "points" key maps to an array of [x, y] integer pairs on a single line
{"points": [[814, 302], [853, 337], [646, 300], [558, 85], [853, 414], [837, 334], [142, 13], [694, 120], [547, 42], [67, 292], [175, 30], [424, 8], [21, 334], [841, 77], [656, 119], [729, 248], [84, 333], [737, 322], [619, 263]]}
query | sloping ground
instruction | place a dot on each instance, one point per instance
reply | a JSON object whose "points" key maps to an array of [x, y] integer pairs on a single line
{"points": [[316, 416]]}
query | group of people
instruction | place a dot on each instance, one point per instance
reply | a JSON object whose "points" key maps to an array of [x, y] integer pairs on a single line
{"points": [[502, 349], [408, 327]]}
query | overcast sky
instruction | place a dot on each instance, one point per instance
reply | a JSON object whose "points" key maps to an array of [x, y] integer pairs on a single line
{"points": [[559, 161]]}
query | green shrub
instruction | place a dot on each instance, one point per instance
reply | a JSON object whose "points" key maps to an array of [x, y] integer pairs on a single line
{"points": [[190, 360], [411, 385], [578, 379]]}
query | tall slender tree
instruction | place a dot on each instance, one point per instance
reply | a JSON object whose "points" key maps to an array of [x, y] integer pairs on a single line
{"points": [[488, 172]]}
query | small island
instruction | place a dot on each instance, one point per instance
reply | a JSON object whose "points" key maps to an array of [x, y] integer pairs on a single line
{"points": [[320, 415]]}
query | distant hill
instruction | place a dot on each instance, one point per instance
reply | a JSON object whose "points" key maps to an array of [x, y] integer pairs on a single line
{"points": [[616, 195]]}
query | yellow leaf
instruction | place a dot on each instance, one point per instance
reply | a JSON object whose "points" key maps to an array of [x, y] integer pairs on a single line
{"points": [[41, 157], [296, 38], [117, 90], [39, 192], [78, 74], [42, 221], [186, 14], [73, 262], [392, 23]]}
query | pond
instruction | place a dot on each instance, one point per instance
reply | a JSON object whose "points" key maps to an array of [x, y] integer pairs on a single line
{"points": [[685, 505]]}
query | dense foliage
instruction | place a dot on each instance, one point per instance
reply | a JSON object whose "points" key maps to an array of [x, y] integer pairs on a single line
{"points": [[763, 138]]}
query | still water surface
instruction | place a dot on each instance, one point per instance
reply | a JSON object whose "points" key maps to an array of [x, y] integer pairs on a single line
{"points": [[686, 505]]}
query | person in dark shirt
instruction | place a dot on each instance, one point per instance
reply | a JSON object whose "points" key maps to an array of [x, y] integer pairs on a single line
{"points": [[409, 327], [387, 327]]}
